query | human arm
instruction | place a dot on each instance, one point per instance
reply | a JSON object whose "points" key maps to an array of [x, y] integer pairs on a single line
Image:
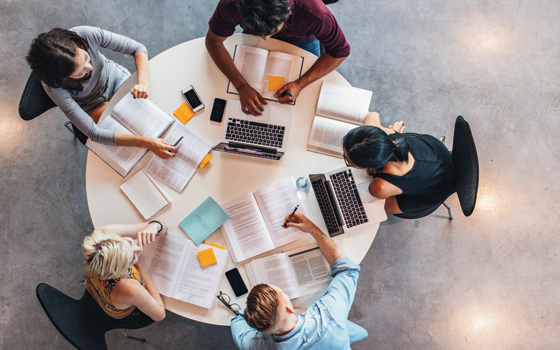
{"points": [[251, 100], [141, 89], [160, 147], [323, 66], [330, 250], [145, 232]]}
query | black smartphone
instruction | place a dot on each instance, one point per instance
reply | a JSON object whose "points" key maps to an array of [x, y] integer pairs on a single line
{"points": [[218, 110], [236, 282]]}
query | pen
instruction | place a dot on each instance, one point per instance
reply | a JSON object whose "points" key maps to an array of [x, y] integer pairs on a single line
{"points": [[179, 140], [291, 216], [286, 93]]}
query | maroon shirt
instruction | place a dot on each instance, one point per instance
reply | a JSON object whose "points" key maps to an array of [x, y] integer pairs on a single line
{"points": [[309, 19]]}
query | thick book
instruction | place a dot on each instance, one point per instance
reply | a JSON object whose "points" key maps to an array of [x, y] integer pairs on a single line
{"points": [[133, 116], [297, 272], [145, 194], [174, 267], [177, 171], [339, 109], [256, 219], [257, 66]]}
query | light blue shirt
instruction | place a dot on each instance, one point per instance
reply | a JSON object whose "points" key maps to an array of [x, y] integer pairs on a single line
{"points": [[324, 326]]}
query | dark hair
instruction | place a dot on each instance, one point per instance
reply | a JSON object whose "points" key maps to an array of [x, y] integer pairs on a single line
{"points": [[262, 17], [370, 147], [262, 307], [52, 58]]}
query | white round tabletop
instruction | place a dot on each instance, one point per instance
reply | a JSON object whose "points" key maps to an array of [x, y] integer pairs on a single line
{"points": [[227, 175]]}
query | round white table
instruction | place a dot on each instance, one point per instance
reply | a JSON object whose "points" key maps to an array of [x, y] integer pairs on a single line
{"points": [[226, 175]]}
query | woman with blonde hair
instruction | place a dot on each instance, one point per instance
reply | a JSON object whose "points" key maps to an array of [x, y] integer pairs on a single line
{"points": [[115, 275]]}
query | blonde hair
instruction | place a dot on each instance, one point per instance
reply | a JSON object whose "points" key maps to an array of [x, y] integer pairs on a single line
{"points": [[104, 255]]}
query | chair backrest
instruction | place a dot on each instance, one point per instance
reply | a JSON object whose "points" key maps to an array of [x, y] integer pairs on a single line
{"points": [[328, 2], [82, 322], [465, 161], [418, 213], [34, 100]]}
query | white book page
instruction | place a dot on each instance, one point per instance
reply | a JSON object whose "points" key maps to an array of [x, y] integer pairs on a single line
{"points": [[343, 102], [195, 284], [142, 116], [281, 65], [327, 134], [275, 269], [176, 172], [163, 259], [245, 232], [251, 63], [310, 269], [144, 194], [120, 158], [277, 201]]}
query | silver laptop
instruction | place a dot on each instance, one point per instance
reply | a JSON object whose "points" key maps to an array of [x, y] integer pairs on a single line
{"points": [[264, 136], [345, 204]]}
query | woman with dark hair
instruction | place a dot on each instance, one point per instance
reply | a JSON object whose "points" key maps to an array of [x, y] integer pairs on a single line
{"points": [[80, 80], [411, 172]]}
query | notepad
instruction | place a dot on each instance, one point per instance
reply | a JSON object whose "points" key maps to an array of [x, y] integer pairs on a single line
{"points": [[206, 257], [275, 83], [145, 194], [204, 220], [184, 113]]}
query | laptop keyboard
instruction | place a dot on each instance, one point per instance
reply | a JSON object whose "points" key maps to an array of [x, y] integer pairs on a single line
{"points": [[261, 134], [325, 205], [349, 201]]}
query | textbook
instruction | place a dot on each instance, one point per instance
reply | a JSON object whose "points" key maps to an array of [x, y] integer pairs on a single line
{"points": [[265, 71], [256, 219], [339, 109], [297, 272], [145, 194], [134, 116], [177, 171], [173, 264]]}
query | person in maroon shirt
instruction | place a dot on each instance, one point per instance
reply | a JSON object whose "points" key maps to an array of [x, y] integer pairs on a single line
{"points": [[303, 23]]}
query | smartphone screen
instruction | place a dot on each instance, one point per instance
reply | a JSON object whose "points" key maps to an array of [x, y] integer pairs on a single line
{"points": [[236, 282], [192, 98], [218, 110]]}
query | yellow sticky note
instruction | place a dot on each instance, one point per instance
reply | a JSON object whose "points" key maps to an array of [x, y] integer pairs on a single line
{"points": [[184, 113], [205, 161], [275, 83], [216, 246], [206, 257]]}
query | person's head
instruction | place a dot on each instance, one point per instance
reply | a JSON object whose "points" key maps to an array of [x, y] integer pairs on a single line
{"points": [[263, 17], [108, 255], [268, 308], [370, 147], [59, 58]]}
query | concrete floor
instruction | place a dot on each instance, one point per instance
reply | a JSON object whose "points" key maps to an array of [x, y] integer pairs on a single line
{"points": [[484, 282]]}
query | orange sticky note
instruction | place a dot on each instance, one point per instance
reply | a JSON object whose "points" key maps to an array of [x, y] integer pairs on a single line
{"points": [[184, 113], [205, 161], [206, 257], [275, 83], [216, 246]]}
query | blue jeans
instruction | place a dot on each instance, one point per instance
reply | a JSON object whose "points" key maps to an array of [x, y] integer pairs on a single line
{"points": [[311, 46]]}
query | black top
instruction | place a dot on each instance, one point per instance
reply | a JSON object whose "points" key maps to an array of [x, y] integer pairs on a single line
{"points": [[432, 177]]}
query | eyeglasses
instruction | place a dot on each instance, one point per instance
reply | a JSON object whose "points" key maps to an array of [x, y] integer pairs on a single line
{"points": [[226, 300]]}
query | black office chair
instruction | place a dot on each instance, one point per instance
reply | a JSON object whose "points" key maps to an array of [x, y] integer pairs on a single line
{"points": [[465, 162], [82, 322], [35, 101]]}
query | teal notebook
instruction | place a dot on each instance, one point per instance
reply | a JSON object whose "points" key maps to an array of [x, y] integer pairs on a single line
{"points": [[204, 220]]}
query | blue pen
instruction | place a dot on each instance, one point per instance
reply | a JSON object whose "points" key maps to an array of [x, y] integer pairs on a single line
{"points": [[286, 93], [176, 143]]}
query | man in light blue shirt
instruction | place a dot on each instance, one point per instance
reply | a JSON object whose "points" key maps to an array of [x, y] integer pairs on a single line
{"points": [[269, 321]]}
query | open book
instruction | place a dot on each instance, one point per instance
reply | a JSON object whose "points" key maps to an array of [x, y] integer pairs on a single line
{"points": [[134, 116], [339, 110], [297, 272], [145, 194], [177, 171], [257, 65], [175, 269], [256, 219]]}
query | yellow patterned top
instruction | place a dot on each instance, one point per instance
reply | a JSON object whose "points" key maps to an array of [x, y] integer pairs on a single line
{"points": [[101, 290]]}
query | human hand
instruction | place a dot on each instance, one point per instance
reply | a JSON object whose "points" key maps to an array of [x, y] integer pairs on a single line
{"points": [[292, 88], [251, 101], [398, 126], [140, 91], [161, 148], [148, 234], [301, 222]]}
